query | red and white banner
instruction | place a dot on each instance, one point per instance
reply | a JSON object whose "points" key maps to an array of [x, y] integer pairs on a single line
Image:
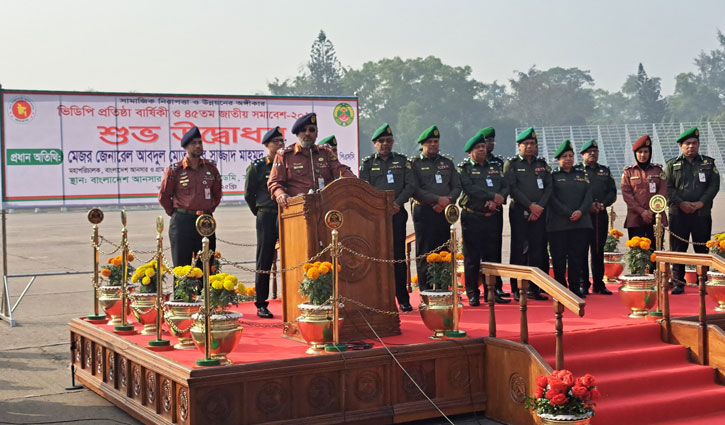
{"points": [[66, 149]]}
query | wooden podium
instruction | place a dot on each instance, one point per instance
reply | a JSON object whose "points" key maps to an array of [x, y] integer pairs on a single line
{"points": [[367, 229]]}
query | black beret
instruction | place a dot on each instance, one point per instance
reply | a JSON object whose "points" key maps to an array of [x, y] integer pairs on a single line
{"points": [[305, 120], [271, 134], [191, 134]]}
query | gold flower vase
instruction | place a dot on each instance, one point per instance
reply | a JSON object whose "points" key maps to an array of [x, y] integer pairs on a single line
{"points": [[225, 334], [143, 306], [639, 293], [436, 310], [565, 419], [178, 316], [613, 266], [315, 324], [716, 288], [109, 298]]}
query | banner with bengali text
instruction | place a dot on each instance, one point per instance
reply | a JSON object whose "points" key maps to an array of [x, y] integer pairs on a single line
{"points": [[88, 149]]}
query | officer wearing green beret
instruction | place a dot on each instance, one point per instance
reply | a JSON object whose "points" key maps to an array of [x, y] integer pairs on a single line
{"points": [[529, 180], [604, 193], [388, 170], [438, 185], [692, 183], [484, 192], [568, 222], [264, 208], [329, 142]]}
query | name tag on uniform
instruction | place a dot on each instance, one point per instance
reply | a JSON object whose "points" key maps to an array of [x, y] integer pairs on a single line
{"points": [[320, 182], [652, 187], [702, 177], [439, 178], [540, 183], [391, 178], [207, 193], [489, 182]]}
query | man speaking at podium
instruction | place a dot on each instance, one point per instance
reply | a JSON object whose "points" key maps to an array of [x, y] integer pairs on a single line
{"points": [[304, 167]]}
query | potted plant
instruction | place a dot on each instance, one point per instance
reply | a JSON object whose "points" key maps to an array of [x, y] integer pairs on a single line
{"points": [[143, 302], [109, 294], [223, 324], [436, 307], [638, 290], [715, 279], [187, 287], [613, 264], [561, 399], [315, 322]]}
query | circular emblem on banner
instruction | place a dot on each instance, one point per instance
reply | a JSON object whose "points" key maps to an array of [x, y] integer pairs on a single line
{"points": [[22, 109], [343, 114], [657, 204]]}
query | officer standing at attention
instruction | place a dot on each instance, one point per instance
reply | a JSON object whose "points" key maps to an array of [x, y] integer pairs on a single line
{"points": [[604, 193], [190, 188], [640, 182], [692, 183], [303, 167], [438, 186], [388, 170], [264, 208], [484, 192], [329, 142], [529, 181], [568, 221]]}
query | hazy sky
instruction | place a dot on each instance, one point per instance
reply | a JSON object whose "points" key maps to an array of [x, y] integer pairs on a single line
{"points": [[236, 47]]}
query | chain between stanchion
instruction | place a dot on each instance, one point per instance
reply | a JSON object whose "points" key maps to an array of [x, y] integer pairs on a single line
{"points": [[247, 269], [404, 260], [235, 243], [376, 310], [681, 239]]}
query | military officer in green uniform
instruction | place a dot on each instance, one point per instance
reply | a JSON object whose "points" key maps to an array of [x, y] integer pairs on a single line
{"points": [[438, 185], [529, 180], [604, 193], [484, 192], [329, 142], [388, 170], [568, 221], [264, 208], [692, 183]]}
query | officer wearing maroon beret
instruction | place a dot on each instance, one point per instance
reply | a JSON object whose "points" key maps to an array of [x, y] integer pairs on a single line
{"points": [[190, 187], [304, 167], [640, 182]]}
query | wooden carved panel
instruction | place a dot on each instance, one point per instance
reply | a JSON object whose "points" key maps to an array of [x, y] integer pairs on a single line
{"points": [[151, 389], [136, 382], [111, 368], [366, 387], [182, 403], [423, 379], [270, 400], [99, 361]]}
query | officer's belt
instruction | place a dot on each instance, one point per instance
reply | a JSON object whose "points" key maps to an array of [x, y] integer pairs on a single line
{"points": [[190, 212], [268, 209], [479, 213]]}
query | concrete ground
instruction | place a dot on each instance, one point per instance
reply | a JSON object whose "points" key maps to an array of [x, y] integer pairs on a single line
{"points": [[35, 356]]}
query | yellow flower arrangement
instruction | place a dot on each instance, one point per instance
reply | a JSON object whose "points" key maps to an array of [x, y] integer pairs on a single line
{"points": [[146, 274], [222, 291], [639, 256], [717, 244], [317, 284], [188, 283], [438, 271]]}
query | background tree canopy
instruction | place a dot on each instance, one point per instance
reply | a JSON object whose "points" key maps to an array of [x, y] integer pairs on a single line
{"points": [[413, 94]]}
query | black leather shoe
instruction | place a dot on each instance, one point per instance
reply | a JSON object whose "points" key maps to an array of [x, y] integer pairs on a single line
{"points": [[537, 296], [406, 307], [473, 302], [516, 296], [579, 294], [603, 290], [264, 313], [678, 289], [502, 294], [500, 300]]}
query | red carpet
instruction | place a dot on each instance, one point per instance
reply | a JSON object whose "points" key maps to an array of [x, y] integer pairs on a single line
{"points": [[641, 379]]}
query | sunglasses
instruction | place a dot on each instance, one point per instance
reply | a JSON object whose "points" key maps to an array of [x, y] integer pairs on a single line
{"points": [[309, 129]]}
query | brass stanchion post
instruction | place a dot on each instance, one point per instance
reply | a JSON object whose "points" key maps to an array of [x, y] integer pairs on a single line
{"points": [[206, 225], [124, 327], [158, 343], [95, 216], [452, 214], [657, 205], [333, 220]]}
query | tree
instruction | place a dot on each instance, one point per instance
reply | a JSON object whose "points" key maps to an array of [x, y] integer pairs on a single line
{"points": [[557, 96], [321, 76], [646, 91], [613, 108]]}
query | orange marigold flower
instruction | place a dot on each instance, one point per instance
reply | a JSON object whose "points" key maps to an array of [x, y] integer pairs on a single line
{"points": [[129, 257], [442, 253], [306, 266], [636, 239], [339, 267], [317, 264], [722, 245], [117, 261], [644, 245], [433, 258], [459, 256], [213, 269], [109, 261], [323, 269], [414, 279], [327, 264], [653, 258], [217, 254], [313, 273], [106, 272]]}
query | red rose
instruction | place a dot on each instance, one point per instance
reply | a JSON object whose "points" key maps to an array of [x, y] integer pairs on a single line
{"points": [[580, 392], [542, 381], [587, 380], [558, 400], [594, 393], [558, 385], [552, 393], [565, 376], [538, 392]]}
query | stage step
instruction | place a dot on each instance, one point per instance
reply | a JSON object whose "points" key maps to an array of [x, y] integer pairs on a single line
{"points": [[641, 379]]}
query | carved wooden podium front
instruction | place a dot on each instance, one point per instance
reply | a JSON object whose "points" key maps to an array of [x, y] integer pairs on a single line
{"points": [[367, 229]]}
